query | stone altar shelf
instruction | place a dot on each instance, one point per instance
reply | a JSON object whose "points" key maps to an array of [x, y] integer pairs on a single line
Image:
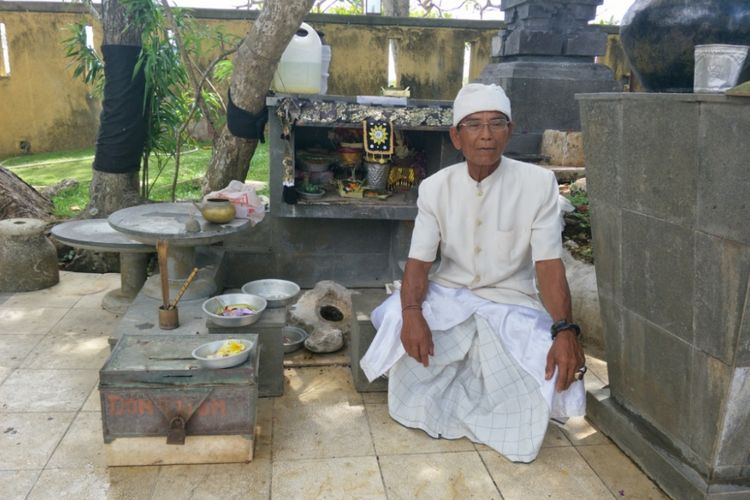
{"points": [[166, 221]]}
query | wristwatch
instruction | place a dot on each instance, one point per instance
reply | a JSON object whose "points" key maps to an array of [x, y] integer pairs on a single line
{"points": [[559, 326]]}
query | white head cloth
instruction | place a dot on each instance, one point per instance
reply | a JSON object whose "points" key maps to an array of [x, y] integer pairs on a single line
{"points": [[475, 97]]}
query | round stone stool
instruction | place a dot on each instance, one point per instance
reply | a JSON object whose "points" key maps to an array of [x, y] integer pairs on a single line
{"points": [[28, 260]]}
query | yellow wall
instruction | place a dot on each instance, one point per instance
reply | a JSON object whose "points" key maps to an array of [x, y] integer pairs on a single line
{"points": [[40, 102]]}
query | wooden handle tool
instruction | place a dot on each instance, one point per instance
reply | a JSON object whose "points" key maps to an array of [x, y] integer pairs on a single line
{"points": [[161, 252], [184, 287]]}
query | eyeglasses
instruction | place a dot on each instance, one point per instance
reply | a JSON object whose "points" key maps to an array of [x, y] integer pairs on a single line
{"points": [[475, 126]]}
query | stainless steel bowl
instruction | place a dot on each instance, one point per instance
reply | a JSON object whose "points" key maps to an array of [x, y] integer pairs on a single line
{"points": [[214, 305], [203, 352], [292, 338], [278, 293]]}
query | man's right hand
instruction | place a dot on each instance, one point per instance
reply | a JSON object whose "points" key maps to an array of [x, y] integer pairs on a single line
{"points": [[416, 336]]}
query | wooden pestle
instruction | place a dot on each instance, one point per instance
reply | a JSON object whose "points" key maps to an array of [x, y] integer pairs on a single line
{"points": [[184, 287]]}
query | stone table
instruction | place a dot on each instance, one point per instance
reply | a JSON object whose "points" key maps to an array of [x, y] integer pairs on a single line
{"points": [[166, 221], [98, 236]]}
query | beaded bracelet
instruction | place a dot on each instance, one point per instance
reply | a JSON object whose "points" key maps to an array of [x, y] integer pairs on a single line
{"points": [[559, 326]]}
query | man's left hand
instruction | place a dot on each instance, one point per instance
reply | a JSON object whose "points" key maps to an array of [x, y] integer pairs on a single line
{"points": [[566, 354]]}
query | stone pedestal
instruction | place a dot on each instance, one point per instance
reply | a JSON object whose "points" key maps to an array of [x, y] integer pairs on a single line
{"points": [[668, 182], [28, 260], [542, 93], [542, 58]]}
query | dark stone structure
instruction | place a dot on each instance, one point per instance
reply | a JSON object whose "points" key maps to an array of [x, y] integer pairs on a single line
{"points": [[542, 58], [667, 179], [659, 37]]}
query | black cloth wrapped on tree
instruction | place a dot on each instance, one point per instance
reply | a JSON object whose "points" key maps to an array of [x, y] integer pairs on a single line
{"points": [[244, 124], [122, 124]]}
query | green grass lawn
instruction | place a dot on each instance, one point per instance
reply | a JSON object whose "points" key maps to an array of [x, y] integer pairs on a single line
{"points": [[47, 169]]}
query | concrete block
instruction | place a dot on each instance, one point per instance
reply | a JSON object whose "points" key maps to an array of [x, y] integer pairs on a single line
{"points": [[659, 176], [722, 272], [602, 128], [362, 334], [724, 180], [564, 148], [658, 269]]}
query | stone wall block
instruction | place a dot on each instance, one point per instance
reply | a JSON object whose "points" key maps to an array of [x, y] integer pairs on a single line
{"points": [[659, 176], [657, 376], [353, 270], [334, 235], [633, 346], [602, 130], [724, 176], [734, 443], [742, 357], [709, 380], [523, 42], [722, 270], [606, 228], [658, 269], [614, 342], [586, 43]]}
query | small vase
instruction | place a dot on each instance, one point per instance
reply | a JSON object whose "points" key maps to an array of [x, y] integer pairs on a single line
{"points": [[377, 175], [659, 37]]}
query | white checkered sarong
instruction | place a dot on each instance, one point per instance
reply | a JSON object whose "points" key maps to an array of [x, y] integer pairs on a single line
{"points": [[486, 379], [472, 389]]}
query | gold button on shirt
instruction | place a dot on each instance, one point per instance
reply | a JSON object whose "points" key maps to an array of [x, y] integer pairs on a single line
{"points": [[517, 221]]}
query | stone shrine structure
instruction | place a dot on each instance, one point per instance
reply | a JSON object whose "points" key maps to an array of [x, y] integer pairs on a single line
{"points": [[542, 58], [667, 180]]}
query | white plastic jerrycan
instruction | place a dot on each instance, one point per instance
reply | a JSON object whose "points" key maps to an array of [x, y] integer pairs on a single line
{"points": [[300, 65]]}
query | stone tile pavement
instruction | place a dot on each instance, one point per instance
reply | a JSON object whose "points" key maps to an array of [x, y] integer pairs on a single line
{"points": [[322, 439]]}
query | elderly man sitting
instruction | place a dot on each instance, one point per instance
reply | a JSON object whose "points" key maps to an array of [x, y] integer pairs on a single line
{"points": [[474, 351]]}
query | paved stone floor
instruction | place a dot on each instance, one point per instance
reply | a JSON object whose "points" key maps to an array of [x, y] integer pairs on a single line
{"points": [[322, 439]]}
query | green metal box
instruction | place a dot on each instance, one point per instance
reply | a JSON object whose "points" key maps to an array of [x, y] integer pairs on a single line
{"points": [[151, 386]]}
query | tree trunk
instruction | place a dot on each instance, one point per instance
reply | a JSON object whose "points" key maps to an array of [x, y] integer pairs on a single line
{"points": [[111, 191], [18, 199], [396, 8], [254, 66]]}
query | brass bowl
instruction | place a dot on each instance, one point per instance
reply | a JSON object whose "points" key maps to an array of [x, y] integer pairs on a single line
{"points": [[217, 210]]}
